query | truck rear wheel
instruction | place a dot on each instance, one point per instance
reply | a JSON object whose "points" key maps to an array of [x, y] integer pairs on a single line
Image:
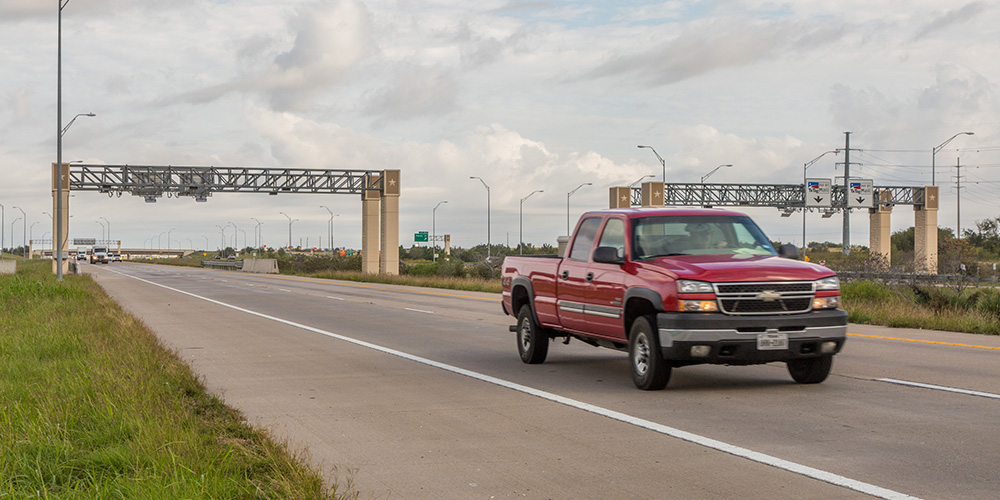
{"points": [[532, 342], [650, 371], [810, 370]]}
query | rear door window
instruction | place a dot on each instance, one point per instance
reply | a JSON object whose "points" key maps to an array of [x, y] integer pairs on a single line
{"points": [[584, 240]]}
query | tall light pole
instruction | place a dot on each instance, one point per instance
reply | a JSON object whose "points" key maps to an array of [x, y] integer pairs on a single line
{"points": [[640, 180], [222, 244], [805, 167], [102, 228], [290, 221], [31, 232], [329, 226], [109, 230], [207, 244], [434, 231], [662, 163], [24, 232], [520, 221], [236, 241], [934, 152], [714, 170], [488, 249], [60, 130], [567, 202], [168, 236], [12, 232], [258, 237], [3, 225]]}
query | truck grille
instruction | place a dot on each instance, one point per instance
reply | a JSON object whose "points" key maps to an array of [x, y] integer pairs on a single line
{"points": [[765, 297]]}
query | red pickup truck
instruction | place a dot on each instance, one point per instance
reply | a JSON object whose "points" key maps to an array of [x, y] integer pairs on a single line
{"points": [[677, 287]]}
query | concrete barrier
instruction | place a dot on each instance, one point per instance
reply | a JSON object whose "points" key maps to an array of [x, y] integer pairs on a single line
{"points": [[8, 266], [260, 266]]}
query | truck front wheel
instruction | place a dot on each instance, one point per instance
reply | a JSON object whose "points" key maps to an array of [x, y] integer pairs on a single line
{"points": [[532, 342], [649, 370], [810, 370]]}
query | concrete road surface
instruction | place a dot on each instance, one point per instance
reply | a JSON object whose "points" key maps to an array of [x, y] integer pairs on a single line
{"points": [[419, 394]]}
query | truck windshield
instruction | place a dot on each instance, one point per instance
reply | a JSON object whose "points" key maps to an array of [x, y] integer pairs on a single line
{"points": [[697, 235]]}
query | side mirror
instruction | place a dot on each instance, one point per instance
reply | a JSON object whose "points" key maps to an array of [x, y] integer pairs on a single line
{"points": [[607, 255], [788, 251]]}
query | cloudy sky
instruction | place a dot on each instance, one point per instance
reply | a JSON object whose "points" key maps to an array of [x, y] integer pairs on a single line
{"points": [[545, 94]]}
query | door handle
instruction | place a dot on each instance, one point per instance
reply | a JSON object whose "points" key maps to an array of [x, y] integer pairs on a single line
{"points": [[590, 277], [565, 275]]}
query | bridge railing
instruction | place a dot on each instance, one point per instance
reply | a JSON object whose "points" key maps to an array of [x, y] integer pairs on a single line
{"points": [[222, 264]]}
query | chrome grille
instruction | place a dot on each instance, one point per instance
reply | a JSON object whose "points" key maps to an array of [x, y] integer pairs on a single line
{"points": [[767, 297]]}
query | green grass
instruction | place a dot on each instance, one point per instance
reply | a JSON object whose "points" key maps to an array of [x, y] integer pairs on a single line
{"points": [[447, 282], [92, 406], [930, 308]]}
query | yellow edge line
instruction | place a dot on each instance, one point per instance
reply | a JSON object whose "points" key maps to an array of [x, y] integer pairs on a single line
{"points": [[355, 285], [923, 341]]}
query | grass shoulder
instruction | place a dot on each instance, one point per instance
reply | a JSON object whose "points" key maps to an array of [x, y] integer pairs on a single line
{"points": [[94, 407]]}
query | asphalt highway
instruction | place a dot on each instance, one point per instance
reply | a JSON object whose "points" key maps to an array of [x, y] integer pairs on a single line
{"points": [[418, 393]]}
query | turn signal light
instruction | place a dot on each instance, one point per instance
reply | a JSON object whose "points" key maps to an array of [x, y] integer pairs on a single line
{"points": [[697, 306], [826, 302]]}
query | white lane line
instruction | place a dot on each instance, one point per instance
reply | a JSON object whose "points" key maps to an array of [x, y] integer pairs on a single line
{"points": [[418, 310], [939, 388], [283, 290], [334, 298], [828, 477]]}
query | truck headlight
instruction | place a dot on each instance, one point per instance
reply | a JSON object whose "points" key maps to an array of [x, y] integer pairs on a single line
{"points": [[826, 302], [691, 286], [697, 306], [831, 283]]}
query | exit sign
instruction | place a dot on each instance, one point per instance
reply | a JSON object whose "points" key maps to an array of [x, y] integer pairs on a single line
{"points": [[420, 236]]}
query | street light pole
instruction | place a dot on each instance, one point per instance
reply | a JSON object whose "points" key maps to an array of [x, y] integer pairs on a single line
{"points": [[24, 232], [520, 222], [222, 243], [434, 231], [290, 221], [488, 249], [2, 227], [329, 226], [706, 176], [567, 202], [805, 167], [258, 237], [662, 163], [168, 237], [109, 230], [102, 228], [934, 152], [31, 233], [12, 231]]}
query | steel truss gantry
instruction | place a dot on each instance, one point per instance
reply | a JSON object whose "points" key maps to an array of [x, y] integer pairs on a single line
{"points": [[152, 182], [780, 196]]}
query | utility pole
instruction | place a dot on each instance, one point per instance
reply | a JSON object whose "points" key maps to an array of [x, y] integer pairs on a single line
{"points": [[958, 198], [847, 192]]}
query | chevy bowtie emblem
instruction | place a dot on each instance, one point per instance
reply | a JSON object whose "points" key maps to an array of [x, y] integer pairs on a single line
{"points": [[769, 296]]}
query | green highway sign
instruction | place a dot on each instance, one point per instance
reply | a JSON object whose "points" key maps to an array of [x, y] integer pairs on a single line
{"points": [[420, 236]]}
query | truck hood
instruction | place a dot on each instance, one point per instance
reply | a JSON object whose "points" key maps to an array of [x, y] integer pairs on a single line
{"points": [[722, 268]]}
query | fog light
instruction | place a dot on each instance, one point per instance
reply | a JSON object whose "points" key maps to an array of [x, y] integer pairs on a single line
{"points": [[828, 347], [700, 351]]}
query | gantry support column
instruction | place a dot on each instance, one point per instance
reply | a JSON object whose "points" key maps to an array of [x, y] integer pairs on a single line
{"points": [[64, 216], [370, 199], [925, 231], [652, 194], [389, 260], [879, 231]]}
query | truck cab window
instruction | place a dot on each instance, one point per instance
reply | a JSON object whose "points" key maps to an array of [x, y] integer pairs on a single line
{"points": [[584, 240], [614, 236]]}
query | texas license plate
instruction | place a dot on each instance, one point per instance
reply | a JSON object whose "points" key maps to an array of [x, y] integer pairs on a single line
{"points": [[772, 341]]}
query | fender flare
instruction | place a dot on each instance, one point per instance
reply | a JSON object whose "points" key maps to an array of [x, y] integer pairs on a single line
{"points": [[651, 296], [526, 283]]}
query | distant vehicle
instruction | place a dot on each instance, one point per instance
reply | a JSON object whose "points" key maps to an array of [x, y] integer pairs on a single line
{"points": [[116, 257], [81, 255], [99, 254]]}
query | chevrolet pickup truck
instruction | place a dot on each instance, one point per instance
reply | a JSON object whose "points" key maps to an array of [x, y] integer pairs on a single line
{"points": [[676, 287]]}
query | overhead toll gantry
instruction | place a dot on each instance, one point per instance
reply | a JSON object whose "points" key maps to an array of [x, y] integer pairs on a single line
{"points": [[816, 194], [379, 191]]}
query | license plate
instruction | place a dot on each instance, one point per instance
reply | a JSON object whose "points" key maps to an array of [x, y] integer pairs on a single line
{"points": [[772, 341]]}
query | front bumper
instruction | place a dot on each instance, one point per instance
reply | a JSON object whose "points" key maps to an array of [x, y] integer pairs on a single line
{"points": [[732, 340]]}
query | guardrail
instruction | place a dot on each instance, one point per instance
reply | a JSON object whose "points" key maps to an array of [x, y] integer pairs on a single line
{"points": [[222, 264], [892, 278]]}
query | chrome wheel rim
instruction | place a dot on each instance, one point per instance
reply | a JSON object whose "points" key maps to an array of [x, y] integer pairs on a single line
{"points": [[525, 332], [640, 356]]}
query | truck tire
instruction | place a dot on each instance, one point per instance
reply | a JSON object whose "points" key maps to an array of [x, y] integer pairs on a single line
{"points": [[810, 370], [532, 341], [650, 371]]}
